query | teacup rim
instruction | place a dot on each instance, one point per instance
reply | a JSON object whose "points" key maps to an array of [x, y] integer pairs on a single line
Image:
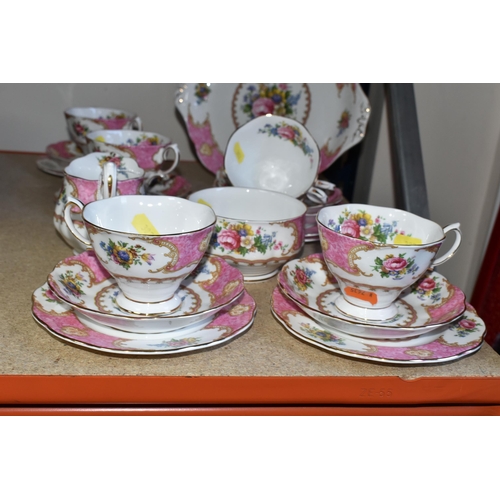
{"points": [[128, 234], [375, 243], [117, 131], [68, 112], [254, 221], [140, 171]]}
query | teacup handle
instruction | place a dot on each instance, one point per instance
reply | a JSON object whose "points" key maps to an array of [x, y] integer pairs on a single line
{"points": [[317, 195], [458, 239], [136, 123], [69, 221], [177, 156], [107, 181], [329, 186]]}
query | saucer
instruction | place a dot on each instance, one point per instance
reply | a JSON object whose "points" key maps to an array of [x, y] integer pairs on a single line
{"points": [[176, 185], [430, 303], [83, 284], [61, 322], [49, 166], [457, 340], [65, 151]]}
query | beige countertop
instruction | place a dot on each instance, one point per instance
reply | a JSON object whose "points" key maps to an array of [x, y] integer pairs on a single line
{"points": [[31, 248]]}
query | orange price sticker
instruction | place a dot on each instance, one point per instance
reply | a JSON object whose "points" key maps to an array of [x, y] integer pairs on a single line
{"points": [[370, 297]]}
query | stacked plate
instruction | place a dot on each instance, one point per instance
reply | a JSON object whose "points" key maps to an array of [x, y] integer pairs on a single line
{"points": [[78, 305], [434, 323], [58, 156]]}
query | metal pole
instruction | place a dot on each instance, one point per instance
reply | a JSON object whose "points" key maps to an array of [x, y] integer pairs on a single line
{"points": [[407, 160]]}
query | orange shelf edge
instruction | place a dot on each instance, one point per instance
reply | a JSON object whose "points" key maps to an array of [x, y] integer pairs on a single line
{"points": [[214, 391]]}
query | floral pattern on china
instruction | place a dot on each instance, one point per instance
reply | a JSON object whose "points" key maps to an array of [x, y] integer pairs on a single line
{"points": [[428, 289], [450, 345], [276, 99], [430, 302], [335, 114], [395, 267], [241, 239], [125, 254], [118, 161], [144, 140], [290, 133], [61, 321], [366, 227]]}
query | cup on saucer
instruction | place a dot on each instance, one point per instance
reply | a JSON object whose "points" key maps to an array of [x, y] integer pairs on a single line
{"points": [[149, 149], [376, 253], [149, 244], [93, 177], [80, 121]]}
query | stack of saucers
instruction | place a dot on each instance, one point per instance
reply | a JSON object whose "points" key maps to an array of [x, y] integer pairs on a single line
{"points": [[58, 156], [327, 299], [111, 298]]}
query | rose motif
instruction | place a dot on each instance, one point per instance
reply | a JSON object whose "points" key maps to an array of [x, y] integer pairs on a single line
{"points": [[395, 264], [301, 276], [286, 132], [350, 228], [229, 239], [79, 129], [467, 324], [262, 106], [427, 284]]}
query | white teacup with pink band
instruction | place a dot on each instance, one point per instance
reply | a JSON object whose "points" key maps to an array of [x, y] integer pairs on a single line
{"points": [[93, 177], [81, 121], [376, 252], [149, 244], [150, 150]]}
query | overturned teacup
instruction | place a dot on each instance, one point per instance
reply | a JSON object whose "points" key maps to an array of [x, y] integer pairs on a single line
{"points": [[81, 121], [375, 253], [273, 153], [149, 244]]}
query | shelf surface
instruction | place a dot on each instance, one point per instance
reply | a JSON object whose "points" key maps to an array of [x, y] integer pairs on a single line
{"points": [[265, 365]]}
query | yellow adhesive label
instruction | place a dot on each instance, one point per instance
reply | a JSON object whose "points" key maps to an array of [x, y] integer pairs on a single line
{"points": [[143, 225], [401, 239], [203, 202], [240, 156], [100, 139]]}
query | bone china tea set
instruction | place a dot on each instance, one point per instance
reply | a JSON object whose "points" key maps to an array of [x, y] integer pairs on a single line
{"points": [[157, 269]]}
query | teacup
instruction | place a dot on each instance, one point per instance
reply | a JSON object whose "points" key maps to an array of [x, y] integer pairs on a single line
{"points": [[149, 244], [274, 153], [257, 231], [93, 177], [82, 121], [375, 253], [148, 149]]}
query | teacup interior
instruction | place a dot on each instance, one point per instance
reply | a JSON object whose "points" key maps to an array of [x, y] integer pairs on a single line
{"points": [[128, 138], [380, 224], [89, 167], [168, 215], [98, 113], [248, 204]]}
